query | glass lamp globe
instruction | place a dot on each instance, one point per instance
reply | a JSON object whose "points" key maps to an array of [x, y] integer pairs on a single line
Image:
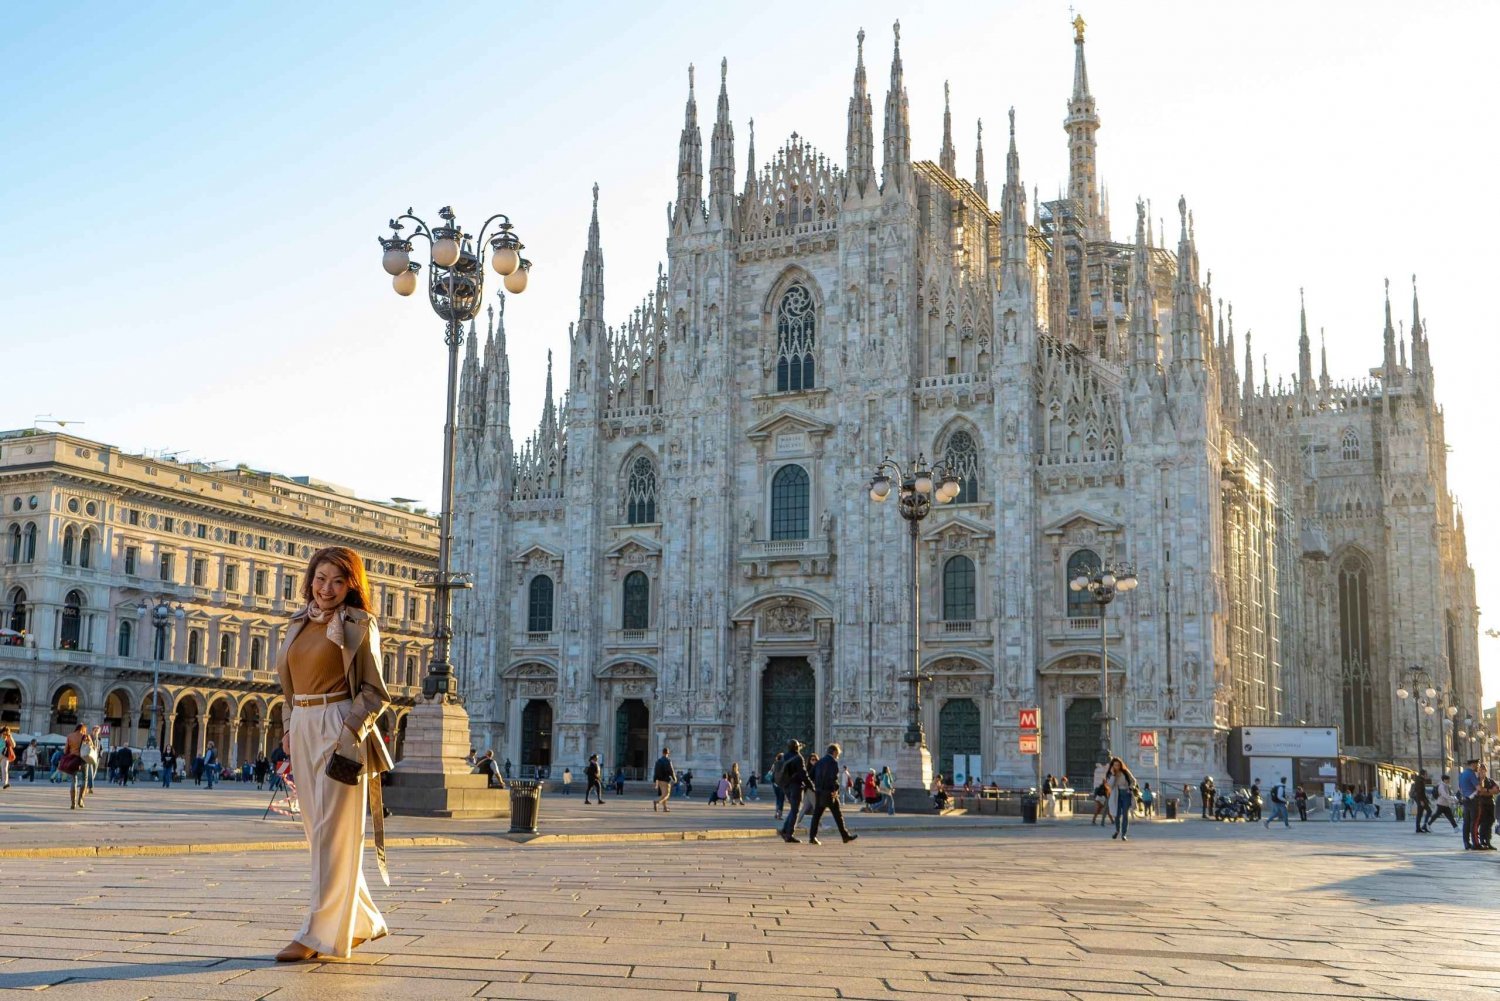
{"points": [[923, 482], [395, 261], [1430, 693], [1402, 693], [515, 282], [140, 610], [1108, 580], [949, 489], [880, 488], [1452, 710], [445, 252], [405, 283], [1128, 583], [1079, 583], [505, 261], [1428, 710]]}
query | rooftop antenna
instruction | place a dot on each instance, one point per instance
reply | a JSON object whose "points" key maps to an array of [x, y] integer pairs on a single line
{"points": [[49, 419]]}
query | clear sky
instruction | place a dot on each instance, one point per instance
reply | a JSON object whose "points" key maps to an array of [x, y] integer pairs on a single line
{"points": [[193, 191]]}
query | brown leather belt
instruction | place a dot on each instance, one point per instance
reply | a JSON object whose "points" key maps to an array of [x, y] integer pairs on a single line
{"points": [[328, 699]]}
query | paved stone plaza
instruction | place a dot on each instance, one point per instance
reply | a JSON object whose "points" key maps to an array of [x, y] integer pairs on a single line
{"points": [[1186, 910]]}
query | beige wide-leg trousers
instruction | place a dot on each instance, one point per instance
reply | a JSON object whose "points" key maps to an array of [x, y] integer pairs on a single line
{"points": [[333, 815]]}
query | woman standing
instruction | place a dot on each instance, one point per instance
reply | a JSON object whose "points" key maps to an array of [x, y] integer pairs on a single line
{"points": [[7, 755], [73, 764], [1122, 784], [329, 666]]}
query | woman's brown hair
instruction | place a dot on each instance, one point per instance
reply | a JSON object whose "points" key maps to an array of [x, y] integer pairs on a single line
{"points": [[347, 562]]}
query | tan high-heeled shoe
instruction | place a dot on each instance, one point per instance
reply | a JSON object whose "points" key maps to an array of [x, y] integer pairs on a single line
{"points": [[296, 952]]}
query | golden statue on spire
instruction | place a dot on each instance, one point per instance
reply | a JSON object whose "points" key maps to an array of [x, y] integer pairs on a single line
{"points": [[1078, 26]]}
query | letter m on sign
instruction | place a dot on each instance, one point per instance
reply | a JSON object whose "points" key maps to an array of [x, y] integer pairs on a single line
{"points": [[1029, 718]]}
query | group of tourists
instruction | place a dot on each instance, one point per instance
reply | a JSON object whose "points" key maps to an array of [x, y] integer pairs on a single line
{"points": [[1474, 801]]}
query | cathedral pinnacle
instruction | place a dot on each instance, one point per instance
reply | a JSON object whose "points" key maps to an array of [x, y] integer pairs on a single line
{"points": [[1145, 344], [721, 162], [689, 207], [948, 157], [1304, 351], [897, 158], [860, 148], [979, 185]]}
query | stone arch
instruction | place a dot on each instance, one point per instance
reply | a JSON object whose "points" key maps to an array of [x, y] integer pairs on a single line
{"points": [[790, 275], [818, 605], [640, 493], [967, 457], [220, 725], [14, 699], [68, 706], [120, 712]]}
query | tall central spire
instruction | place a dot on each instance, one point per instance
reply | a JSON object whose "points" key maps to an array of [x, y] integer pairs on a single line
{"points": [[721, 163], [689, 166], [860, 152], [1304, 353], [591, 287], [1145, 341], [1081, 124], [948, 157], [979, 185], [897, 126], [1013, 226]]}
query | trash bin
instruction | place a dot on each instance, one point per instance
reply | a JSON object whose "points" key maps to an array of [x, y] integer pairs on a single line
{"points": [[1400, 813], [1028, 808], [1171, 811], [525, 805]]}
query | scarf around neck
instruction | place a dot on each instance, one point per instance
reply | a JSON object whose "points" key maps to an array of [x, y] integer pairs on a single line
{"points": [[335, 619]]}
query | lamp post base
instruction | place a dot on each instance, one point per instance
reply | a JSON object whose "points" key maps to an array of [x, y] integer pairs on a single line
{"points": [[913, 768], [433, 778]]}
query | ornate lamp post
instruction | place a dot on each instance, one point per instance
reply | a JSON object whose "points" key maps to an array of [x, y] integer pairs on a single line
{"points": [[1103, 584], [455, 288], [918, 486], [162, 614], [1419, 689]]}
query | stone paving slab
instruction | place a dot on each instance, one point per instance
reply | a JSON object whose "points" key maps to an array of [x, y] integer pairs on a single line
{"points": [[1191, 911]]}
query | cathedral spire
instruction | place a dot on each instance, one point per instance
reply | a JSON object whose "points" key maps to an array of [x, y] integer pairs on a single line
{"points": [[549, 408], [979, 185], [689, 208], [591, 288], [897, 126], [1324, 383], [721, 163], [1304, 353], [750, 166], [1081, 124], [1249, 391], [1013, 228], [1187, 316], [948, 157], [1421, 361], [1389, 366], [497, 367], [860, 150], [1145, 343]]}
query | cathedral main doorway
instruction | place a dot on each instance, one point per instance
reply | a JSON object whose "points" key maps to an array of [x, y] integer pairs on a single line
{"points": [[1082, 738], [788, 706], [958, 733], [632, 738], [536, 739]]}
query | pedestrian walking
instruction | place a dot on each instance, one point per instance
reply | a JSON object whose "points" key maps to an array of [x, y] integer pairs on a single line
{"points": [[56, 774], [168, 765], [567, 782], [329, 666], [827, 783], [736, 787], [887, 783], [1484, 798], [1187, 798], [1421, 805], [664, 775], [773, 776], [7, 756], [794, 781], [128, 763], [1443, 802], [72, 765], [1148, 801], [1101, 804], [620, 781], [1278, 805], [1301, 798], [869, 792], [260, 771], [592, 772], [30, 758], [92, 754], [1468, 786], [687, 783], [752, 788], [1121, 783], [1206, 792], [211, 764]]}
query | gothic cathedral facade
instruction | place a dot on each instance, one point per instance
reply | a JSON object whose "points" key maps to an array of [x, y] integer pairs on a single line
{"points": [[685, 552]]}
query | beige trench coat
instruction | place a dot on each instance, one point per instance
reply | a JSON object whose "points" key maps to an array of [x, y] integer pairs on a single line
{"points": [[361, 650]]}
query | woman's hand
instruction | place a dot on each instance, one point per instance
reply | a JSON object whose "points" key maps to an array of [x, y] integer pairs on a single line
{"points": [[286, 743]]}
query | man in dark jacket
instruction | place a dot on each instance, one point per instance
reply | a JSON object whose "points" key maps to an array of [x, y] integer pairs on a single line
{"points": [[794, 782], [593, 772], [1423, 805], [663, 775], [826, 788]]}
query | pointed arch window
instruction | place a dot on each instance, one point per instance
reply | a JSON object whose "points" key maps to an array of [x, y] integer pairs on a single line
{"points": [[29, 554], [789, 503], [961, 455], [1083, 563], [70, 539], [1349, 447], [15, 543], [1356, 653], [539, 605], [640, 492], [637, 601], [795, 340], [958, 590], [85, 548], [72, 620], [18, 610], [125, 641]]}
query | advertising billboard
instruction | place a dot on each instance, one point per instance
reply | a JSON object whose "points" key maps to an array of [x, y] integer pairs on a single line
{"points": [[1289, 741]]}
